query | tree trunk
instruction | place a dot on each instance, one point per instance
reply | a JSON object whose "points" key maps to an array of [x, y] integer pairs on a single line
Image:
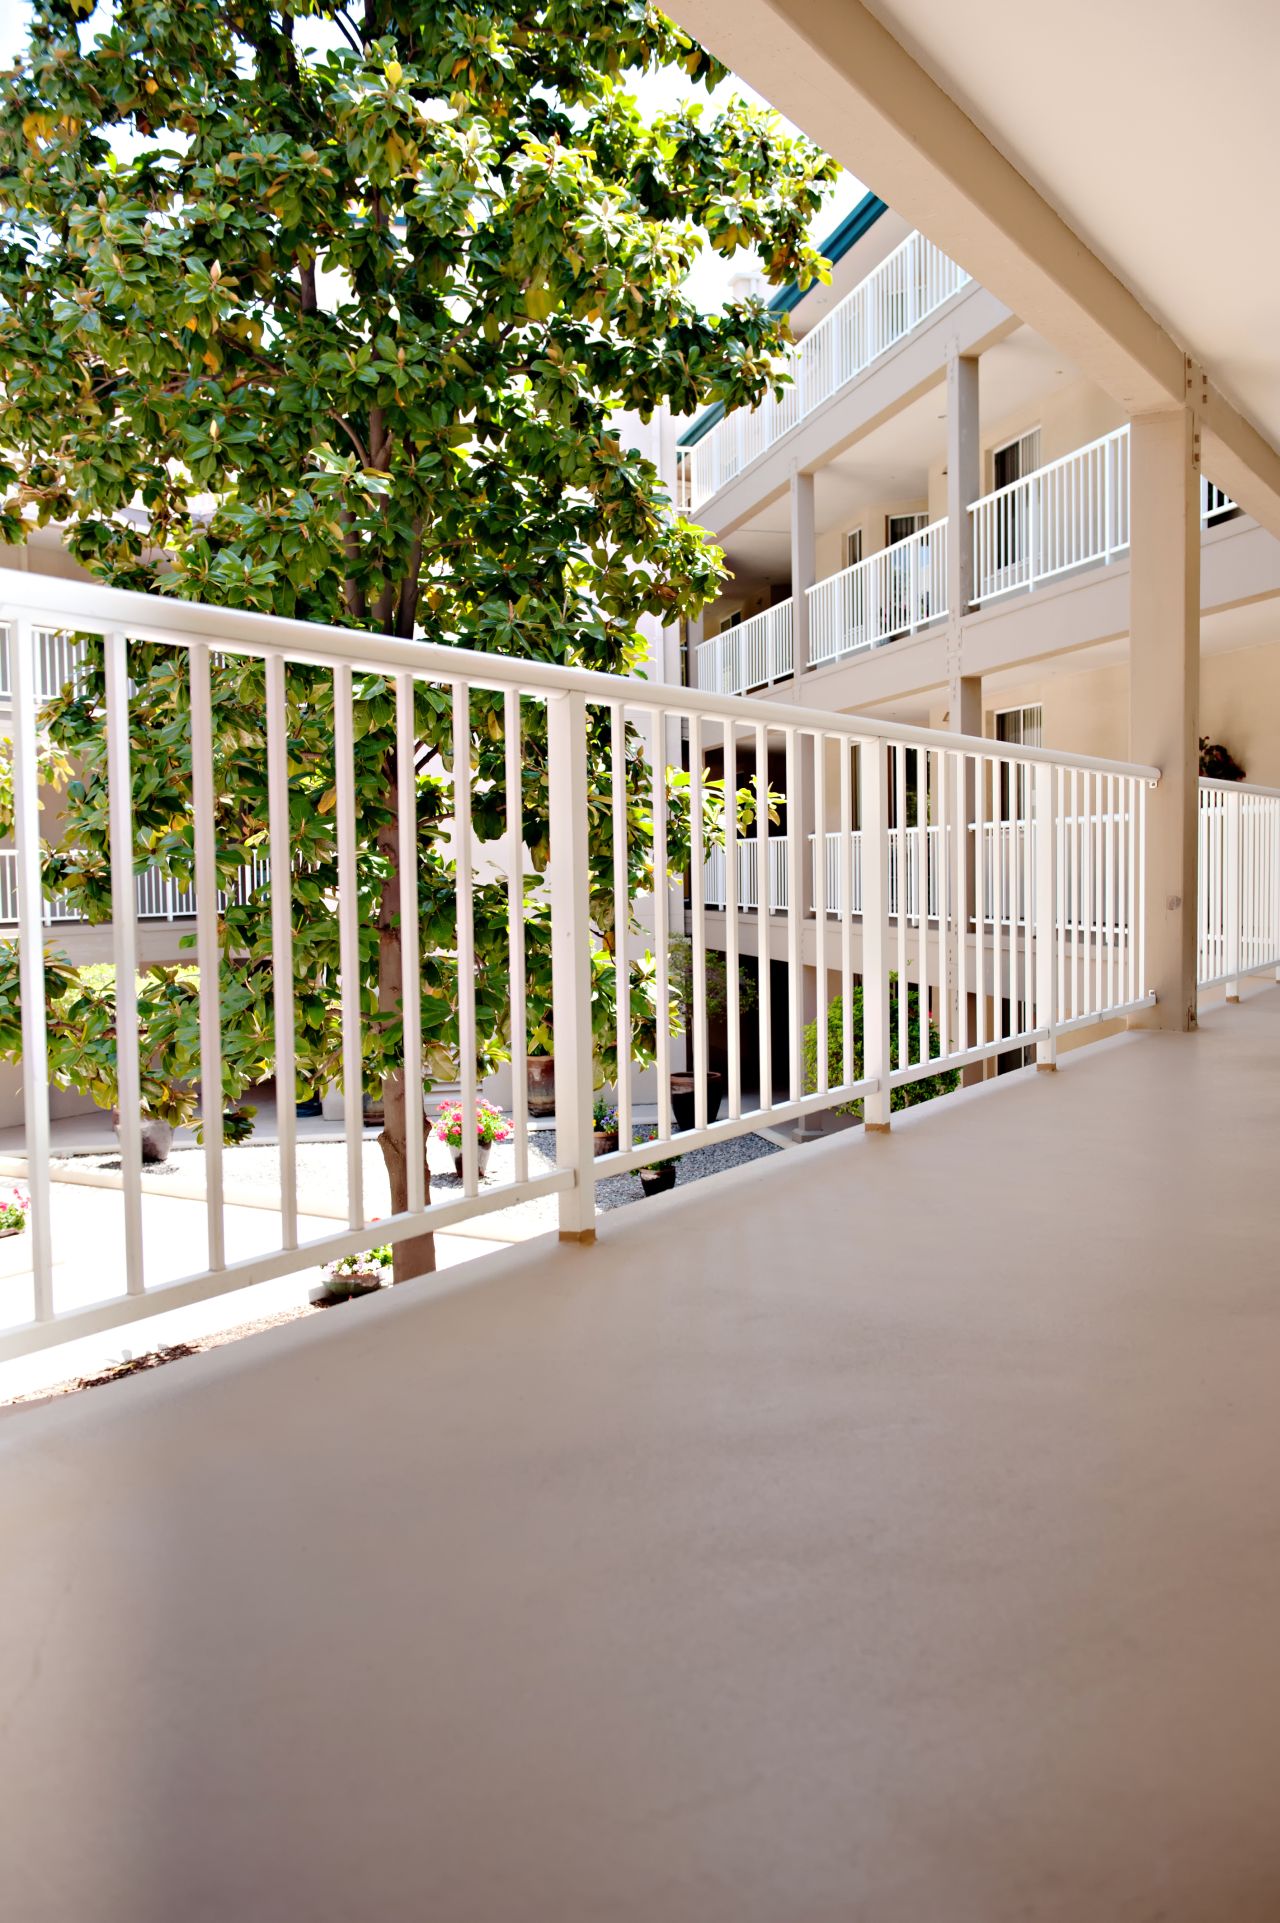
{"points": [[416, 1255]]}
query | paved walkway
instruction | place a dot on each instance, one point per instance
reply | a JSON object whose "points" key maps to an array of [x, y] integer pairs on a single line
{"points": [[889, 1533]]}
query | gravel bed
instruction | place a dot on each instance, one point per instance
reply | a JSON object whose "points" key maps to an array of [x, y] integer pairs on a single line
{"points": [[322, 1176]]}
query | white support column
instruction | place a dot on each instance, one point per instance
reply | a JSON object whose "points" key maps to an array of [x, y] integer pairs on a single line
{"points": [[804, 562], [696, 634], [964, 477], [1164, 697]]}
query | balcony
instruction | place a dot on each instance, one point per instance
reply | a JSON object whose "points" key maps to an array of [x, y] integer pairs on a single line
{"points": [[1025, 924], [601, 1524], [1071, 513], [157, 896], [754, 654], [895, 298], [896, 591]]}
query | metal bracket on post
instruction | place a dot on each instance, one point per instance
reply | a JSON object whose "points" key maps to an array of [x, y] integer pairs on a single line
{"points": [[874, 757], [1046, 916], [571, 960]]}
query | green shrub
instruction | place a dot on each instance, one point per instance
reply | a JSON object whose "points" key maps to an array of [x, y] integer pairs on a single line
{"points": [[911, 1093]]}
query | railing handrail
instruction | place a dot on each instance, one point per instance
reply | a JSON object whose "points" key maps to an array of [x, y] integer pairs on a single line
{"points": [[1116, 434], [882, 274], [101, 610], [1112, 438], [880, 555], [881, 271], [1212, 785]]}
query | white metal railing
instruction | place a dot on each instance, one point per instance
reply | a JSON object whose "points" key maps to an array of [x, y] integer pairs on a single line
{"points": [[1238, 929], [1006, 880], [1071, 513], [59, 659], [157, 897], [890, 593], [986, 985], [904, 290], [754, 654]]}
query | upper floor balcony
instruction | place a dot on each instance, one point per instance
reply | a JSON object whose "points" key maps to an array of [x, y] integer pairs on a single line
{"points": [[908, 287], [1065, 516]]}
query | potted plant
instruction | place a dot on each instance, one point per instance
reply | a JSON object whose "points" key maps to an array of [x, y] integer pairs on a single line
{"points": [[683, 1104], [541, 1079], [491, 1126], [15, 1205], [1218, 763], [604, 1122], [657, 1177], [155, 1134], [357, 1274]]}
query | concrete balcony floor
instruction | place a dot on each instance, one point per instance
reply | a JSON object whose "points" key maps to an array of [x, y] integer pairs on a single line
{"points": [[889, 1532]]}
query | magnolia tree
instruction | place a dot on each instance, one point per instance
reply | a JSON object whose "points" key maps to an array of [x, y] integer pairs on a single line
{"points": [[347, 301]]}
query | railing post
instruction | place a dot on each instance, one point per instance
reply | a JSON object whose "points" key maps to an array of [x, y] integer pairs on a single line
{"points": [[1033, 520], [1232, 894], [1046, 915], [571, 960], [31, 910], [1109, 498], [874, 758]]}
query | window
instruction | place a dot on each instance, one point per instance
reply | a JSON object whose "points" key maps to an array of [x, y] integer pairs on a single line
{"points": [[1013, 462], [898, 526], [1015, 459], [731, 621], [904, 610], [1021, 728], [853, 547]]}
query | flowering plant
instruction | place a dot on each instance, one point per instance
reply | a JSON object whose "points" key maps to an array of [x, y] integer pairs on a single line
{"points": [[361, 1264], [491, 1124], [14, 1209], [604, 1119]]}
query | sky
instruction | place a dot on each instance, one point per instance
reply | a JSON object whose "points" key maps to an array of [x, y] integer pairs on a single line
{"points": [[709, 283]]}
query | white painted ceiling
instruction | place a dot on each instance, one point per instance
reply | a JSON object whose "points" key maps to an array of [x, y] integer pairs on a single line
{"points": [[1153, 126]]}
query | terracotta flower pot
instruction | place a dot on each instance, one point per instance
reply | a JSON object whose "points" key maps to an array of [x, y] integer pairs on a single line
{"points": [[542, 1085], [604, 1141]]}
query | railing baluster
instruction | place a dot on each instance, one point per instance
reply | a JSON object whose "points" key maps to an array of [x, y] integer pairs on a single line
{"points": [[514, 764], [795, 910], [621, 916], [873, 755], [733, 1017], [698, 927], [764, 901], [208, 951], [29, 887], [410, 956], [348, 942], [280, 841], [466, 944]]}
